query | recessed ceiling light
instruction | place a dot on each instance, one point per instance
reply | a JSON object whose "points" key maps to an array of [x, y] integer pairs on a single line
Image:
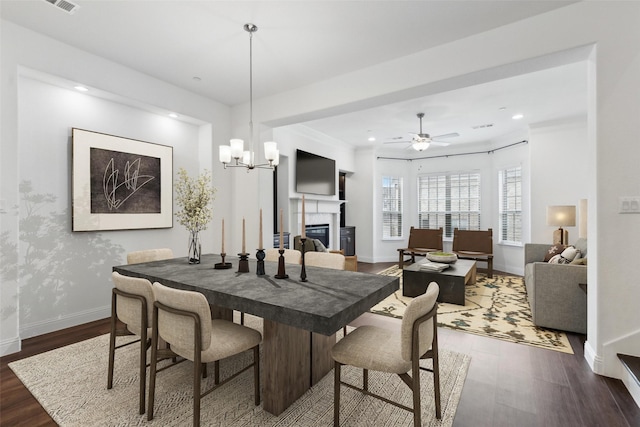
{"points": [[371, 139], [81, 88], [173, 115], [517, 116], [196, 79], [502, 108]]}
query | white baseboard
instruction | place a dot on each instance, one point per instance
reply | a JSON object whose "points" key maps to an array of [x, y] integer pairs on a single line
{"points": [[52, 325], [9, 346], [592, 358]]}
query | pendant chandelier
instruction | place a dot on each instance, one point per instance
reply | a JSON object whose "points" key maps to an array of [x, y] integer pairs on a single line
{"points": [[235, 150]]}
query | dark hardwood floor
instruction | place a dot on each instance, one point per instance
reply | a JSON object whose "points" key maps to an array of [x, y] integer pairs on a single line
{"points": [[507, 384]]}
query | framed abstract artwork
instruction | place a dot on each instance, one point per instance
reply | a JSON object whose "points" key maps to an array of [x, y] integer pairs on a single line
{"points": [[120, 183]]}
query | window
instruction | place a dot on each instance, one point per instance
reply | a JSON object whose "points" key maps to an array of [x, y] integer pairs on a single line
{"points": [[391, 207], [449, 201], [510, 189]]}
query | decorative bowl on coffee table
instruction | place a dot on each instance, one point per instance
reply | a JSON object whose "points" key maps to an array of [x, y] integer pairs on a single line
{"points": [[443, 257]]}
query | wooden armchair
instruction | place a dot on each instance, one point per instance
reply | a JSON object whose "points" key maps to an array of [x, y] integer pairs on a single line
{"points": [[476, 245], [421, 241]]}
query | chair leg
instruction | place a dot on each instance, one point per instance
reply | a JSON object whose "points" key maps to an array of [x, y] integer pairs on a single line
{"points": [[216, 372], [336, 394], [490, 268], [143, 367], [436, 376], [365, 379], [256, 374], [415, 381], [152, 376], [112, 343], [196, 392]]}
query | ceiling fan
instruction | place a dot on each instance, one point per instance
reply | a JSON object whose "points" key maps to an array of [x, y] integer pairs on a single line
{"points": [[422, 141]]}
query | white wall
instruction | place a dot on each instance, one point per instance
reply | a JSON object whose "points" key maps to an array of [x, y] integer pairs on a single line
{"points": [[560, 164], [52, 278]]}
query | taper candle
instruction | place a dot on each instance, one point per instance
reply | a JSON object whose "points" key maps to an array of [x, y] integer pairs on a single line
{"points": [[222, 251], [303, 232], [281, 233], [260, 236], [244, 248]]}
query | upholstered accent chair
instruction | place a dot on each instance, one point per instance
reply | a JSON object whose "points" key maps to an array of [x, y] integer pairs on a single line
{"points": [[374, 348], [476, 245], [324, 260], [131, 312], [182, 319], [291, 256], [148, 255], [421, 241]]}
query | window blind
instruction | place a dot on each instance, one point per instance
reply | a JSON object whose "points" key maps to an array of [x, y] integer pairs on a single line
{"points": [[449, 201], [391, 207], [510, 182]]}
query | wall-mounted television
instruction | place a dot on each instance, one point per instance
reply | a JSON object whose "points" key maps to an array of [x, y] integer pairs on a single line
{"points": [[315, 174]]}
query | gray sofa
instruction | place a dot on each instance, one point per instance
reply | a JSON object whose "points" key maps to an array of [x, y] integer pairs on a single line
{"points": [[556, 299]]}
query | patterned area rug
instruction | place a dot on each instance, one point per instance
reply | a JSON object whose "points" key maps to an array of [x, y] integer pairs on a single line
{"points": [[497, 308], [71, 384]]}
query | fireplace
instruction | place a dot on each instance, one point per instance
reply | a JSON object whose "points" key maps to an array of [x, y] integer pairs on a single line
{"points": [[318, 231]]}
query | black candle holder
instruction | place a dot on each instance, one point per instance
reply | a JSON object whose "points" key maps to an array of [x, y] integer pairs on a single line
{"points": [[243, 264], [281, 273], [303, 271], [260, 266], [222, 265]]}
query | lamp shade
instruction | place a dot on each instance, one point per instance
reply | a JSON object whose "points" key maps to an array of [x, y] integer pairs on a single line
{"points": [[270, 150], [237, 147], [561, 216], [225, 153]]}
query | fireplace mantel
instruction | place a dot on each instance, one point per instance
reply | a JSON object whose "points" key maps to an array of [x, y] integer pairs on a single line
{"points": [[318, 211]]}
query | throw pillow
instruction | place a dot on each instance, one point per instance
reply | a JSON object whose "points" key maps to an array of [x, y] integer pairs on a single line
{"points": [[553, 251], [579, 261], [565, 257], [320, 247]]}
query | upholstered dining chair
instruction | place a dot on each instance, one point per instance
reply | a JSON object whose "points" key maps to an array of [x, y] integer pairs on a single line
{"points": [[182, 319], [291, 256], [148, 255], [324, 260], [379, 349], [132, 305]]}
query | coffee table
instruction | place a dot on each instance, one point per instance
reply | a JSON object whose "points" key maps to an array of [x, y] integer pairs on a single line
{"points": [[451, 281]]}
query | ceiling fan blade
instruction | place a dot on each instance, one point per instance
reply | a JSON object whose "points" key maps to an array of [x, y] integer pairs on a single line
{"points": [[439, 143], [447, 135]]}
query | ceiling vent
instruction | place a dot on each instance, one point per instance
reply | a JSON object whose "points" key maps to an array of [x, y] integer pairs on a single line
{"points": [[488, 125], [65, 5]]}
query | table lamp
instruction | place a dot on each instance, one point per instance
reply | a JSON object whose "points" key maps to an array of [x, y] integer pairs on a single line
{"points": [[561, 216]]}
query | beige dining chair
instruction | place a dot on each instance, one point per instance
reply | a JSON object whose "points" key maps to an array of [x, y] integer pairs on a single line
{"points": [[331, 260], [148, 255], [324, 260], [131, 313], [291, 256], [374, 348], [182, 319]]}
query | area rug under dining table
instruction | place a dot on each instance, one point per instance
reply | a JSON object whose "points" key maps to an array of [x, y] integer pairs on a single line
{"points": [[70, 384], [496, 308]]}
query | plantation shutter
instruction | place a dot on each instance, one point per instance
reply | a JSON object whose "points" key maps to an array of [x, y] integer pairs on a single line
{"points": [[391, 207]]}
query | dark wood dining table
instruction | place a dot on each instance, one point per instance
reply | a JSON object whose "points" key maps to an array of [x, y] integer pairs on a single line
{"points": [[300, 319]]}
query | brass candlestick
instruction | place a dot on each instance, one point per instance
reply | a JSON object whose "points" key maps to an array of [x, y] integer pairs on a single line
{"points": [[260, 267], [281, 273], [303, 272], [243, 264], [222, 265]]}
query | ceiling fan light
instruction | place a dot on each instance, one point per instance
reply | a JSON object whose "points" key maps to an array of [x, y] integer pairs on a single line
{"points": [[420, 145]]}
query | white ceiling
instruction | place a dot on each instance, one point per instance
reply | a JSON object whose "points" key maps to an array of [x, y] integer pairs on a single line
{"points": [[301, 42]]}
